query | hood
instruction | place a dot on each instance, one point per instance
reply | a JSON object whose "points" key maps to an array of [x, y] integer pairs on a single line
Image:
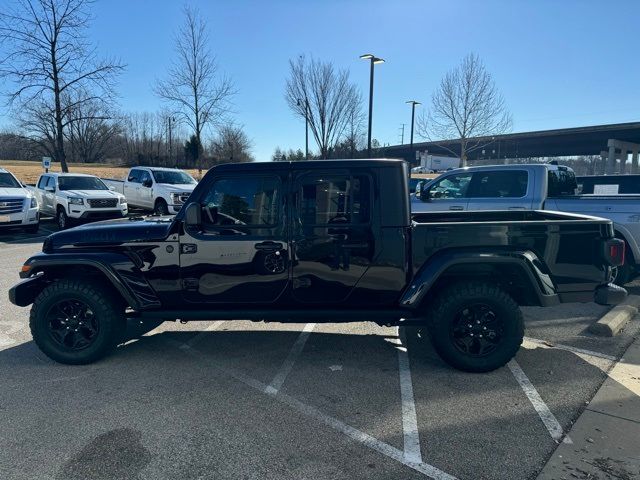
{"points": [[91, 193], [14, 192], [112, 232], [186, 187]]}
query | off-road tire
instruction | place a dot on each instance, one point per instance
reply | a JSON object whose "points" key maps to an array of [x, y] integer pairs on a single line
{"points": [[106, 308], [455, 299]]}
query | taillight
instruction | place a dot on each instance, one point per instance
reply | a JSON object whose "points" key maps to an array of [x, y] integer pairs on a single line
{"points": [[614, 252]]}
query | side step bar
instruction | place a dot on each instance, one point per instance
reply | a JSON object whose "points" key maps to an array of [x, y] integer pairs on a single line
{"points": [[318, 316]]}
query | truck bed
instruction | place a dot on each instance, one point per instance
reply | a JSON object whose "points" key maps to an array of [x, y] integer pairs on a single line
{"points": [[508, 216]]}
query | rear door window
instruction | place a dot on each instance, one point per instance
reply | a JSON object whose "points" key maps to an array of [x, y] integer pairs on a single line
{"points": [[499, 184], [334, 199], [43, 181]]}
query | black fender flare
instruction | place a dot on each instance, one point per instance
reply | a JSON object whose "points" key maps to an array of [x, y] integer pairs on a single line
{"points": [[436, 266], [117, 269]]}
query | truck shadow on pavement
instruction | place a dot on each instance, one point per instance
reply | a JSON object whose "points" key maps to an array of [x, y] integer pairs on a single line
{"points": [[484, 418]]}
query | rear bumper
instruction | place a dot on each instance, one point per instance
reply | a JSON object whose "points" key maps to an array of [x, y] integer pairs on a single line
{"points": [[610, 294]]}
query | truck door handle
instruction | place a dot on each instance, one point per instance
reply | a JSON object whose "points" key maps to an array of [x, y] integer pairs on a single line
{"points": [[456, 207], [268, 245], [188, 248]]}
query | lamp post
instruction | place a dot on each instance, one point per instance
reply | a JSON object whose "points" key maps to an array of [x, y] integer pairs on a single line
{"points": [[306, 127], [373, 59], [170, 119], [413, 104]]}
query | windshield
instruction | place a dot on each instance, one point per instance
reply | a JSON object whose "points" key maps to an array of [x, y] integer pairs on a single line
{"points": [[173, 177], [80, 183], [8, 181]]}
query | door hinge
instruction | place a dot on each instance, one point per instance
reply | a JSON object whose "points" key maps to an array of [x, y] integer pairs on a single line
{"points": [[188, 248]]}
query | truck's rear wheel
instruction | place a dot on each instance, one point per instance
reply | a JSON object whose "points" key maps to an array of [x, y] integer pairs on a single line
{"points": [[75, 322], [476, 326]]}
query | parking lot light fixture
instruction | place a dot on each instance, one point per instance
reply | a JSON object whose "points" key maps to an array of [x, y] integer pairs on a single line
{"points": [[373, 61]]}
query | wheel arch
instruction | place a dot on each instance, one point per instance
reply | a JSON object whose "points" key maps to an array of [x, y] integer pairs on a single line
{"points": [[138, 295], [521, 274]]}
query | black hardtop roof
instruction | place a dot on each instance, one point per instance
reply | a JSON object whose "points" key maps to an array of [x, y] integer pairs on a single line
{"points": [[305, 165]]}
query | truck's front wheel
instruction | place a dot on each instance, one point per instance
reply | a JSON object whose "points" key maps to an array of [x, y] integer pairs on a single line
{"points": [[476, 326], [76, 322]]}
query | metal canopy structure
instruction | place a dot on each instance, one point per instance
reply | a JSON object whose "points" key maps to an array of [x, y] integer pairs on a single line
{"points": [[563, 142]]}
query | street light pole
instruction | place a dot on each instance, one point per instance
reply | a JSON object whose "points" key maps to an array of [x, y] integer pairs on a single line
{"points": [[373, 59], [306, 127], [413, 117]]}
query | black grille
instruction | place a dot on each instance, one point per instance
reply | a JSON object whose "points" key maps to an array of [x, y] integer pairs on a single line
{"points": [[10, 205], [103, 202]]}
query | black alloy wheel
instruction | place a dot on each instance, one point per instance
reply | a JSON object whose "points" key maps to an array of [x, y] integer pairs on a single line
{"points": [[72, 324]]}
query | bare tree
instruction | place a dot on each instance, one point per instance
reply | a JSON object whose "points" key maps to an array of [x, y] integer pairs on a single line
{"points": [[467, 106], [196, 92], [332, 100], [232, 145], [48, 59], [91, 132]]}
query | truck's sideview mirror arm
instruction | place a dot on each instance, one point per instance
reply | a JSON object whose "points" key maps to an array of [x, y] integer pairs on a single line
{"points": [[193, 215], [424, 195]]}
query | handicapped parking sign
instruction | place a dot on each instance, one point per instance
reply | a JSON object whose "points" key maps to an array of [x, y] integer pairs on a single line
{"points": [[46, 163]]}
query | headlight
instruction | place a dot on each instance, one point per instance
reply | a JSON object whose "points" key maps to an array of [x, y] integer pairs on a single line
{"points": [[76, 201], [123, 200], [34, 202], [177, 197]]}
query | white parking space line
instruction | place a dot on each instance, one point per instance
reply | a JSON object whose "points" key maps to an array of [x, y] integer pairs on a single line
{"points": [[288, 363], [199, 336], [409, 416], [569, 348], [309, 411], [549, 420]]}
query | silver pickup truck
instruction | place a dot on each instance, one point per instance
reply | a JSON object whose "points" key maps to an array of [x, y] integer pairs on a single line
{"points": [[533, 187]]}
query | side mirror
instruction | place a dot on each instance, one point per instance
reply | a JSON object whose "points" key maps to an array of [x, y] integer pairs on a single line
{"points": [[112, 188], [193, 215], [147, 183], [424, 195], [49, 189]]}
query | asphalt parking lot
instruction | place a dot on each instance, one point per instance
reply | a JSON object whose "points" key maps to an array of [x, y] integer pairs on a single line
{"points": [[247, 400]]}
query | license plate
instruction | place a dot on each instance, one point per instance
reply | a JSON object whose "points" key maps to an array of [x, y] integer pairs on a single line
{"points": [[5, 218]]}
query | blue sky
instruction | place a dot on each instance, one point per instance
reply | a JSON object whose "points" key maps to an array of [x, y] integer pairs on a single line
{"points": [[558, 63]]}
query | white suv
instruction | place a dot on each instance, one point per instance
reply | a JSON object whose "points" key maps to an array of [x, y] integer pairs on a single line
{"points": [[78, 197], [18, 206]]}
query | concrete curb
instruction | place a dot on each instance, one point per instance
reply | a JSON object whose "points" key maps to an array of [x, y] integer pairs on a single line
{"points": [[615, 319]]}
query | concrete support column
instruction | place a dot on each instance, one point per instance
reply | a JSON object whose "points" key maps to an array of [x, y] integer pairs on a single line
{"points": [[604, 157], [611, 163], [634, 161], [623, 160]]}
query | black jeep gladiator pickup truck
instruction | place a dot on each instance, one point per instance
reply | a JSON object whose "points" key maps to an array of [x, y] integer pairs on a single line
{"points": [[317, 241]]}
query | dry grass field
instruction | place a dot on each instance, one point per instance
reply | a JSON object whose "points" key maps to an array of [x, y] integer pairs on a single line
{"points": [[28, 172]]}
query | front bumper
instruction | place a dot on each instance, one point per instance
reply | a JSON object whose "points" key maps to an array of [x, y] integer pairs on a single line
{"points": [[609, 294], [29, 216], [98, 214], [175, 208]]}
